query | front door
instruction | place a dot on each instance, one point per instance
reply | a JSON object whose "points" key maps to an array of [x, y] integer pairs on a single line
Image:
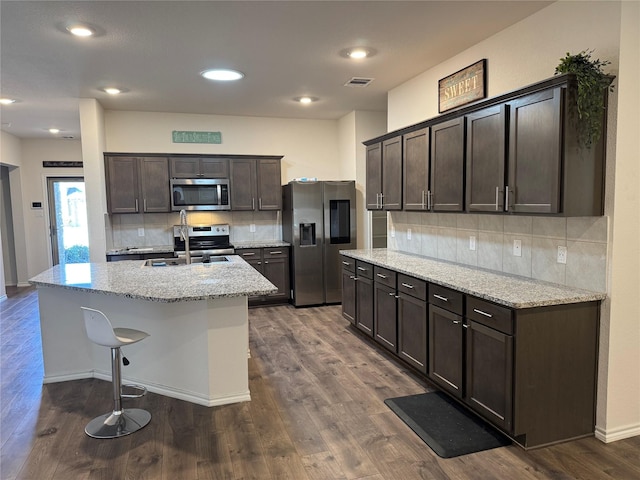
{"points": [[68, 220]]}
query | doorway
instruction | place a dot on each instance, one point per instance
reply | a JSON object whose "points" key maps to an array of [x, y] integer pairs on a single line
{"points": [[68, 228]]}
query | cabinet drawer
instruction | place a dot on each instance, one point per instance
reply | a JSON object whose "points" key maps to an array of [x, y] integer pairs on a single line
{"points": [[446, 298], [250, 253], [275, 252], [364, 269], [385, 276], [349, 264], [412, 286], [490, 314]]}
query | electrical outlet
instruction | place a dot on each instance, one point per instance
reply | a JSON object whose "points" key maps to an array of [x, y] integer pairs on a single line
{"points": [[472, 242], [141, 232], [517, 248], [562, 254], [252, 227], [408, 234]]}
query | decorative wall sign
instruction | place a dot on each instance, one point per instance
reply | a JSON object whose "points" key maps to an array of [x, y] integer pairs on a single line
{"points": [[63, 164], [464, 86], [180, 136]]}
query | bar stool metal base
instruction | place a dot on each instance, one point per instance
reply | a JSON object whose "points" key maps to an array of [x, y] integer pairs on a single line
{"points": [[118, 424]]}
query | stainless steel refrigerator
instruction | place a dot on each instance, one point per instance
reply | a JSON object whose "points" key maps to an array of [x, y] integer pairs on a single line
{"points": [[318, 220]]}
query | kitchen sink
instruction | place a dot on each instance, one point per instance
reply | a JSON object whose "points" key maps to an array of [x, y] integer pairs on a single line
{"points": [[172, 261]]}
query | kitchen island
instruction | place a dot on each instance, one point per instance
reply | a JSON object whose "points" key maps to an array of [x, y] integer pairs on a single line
{"points": [[196, 316]]}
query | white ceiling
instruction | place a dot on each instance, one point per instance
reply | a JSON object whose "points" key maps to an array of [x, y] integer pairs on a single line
{"points": [[286, 49]]}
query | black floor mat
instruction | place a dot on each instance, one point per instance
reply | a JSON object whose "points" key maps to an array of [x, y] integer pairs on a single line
{"points": [[445, 426]]}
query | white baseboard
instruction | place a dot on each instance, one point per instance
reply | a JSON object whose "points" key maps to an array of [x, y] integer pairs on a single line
{"points": [[23, 284], [614, 434]]}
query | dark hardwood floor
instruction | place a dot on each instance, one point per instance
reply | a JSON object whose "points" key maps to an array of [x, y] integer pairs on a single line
{"points": [[316, 413]]}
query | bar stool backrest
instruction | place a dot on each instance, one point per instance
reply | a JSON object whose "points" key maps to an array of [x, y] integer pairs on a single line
{"points": [[99, 328]]}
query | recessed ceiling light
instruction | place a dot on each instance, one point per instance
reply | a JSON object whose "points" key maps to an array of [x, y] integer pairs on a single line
{"points": [[305, 100], [54, 130], [357, 53], [112, 90], [222, 74], [80, 30], [7, 101]]}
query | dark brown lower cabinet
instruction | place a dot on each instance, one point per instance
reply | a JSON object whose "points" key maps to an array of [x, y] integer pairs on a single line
{"points": [[386, 317], [349, 291], [446, 350], [273, 263], [364, 305], [412, 331], [489, 371]]}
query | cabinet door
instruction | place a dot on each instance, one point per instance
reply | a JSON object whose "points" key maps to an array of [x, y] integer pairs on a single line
{"points": [[447, 166], [412, 331], [364, 305], [486, 148], [386, 320], [214, 168], [269, 188], [154, 173], [276, 270], [446, 349], [535, 152], [184, 167], [490, 374], [392, 174], [349, 295], [123, 184], [416, 170], [374, 177], [243, 184]]}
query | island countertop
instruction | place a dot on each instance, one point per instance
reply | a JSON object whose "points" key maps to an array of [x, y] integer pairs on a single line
{"points": [[169, 284], [505, 289]]}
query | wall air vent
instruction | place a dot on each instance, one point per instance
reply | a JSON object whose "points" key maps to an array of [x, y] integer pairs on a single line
{"points": [[359, 82]]}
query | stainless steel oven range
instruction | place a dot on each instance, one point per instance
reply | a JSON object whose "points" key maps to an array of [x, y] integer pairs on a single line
{"points": [[205, 242]]}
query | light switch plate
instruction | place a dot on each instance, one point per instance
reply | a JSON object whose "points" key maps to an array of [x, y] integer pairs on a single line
{"points": [[517, 248], [141, 232], [408, 234], [252, 227], [472, 242]]}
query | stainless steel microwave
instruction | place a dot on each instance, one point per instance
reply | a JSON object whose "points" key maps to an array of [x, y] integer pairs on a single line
{"points": [[200, 194]]}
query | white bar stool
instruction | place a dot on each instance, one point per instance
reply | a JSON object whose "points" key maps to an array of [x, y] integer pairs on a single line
{"points": [[119, 422]]}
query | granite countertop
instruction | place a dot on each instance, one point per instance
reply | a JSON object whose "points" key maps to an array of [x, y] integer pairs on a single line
{"points": [[137, 250], [509, 290], [261, 244], [131, 279]]}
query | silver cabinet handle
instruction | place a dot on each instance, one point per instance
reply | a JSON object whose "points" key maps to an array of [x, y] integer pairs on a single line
{"points": [[253, 203], [483, 313], [144, 204], [362, 269], [137, 205], [407, 285], [381, 275], [346, 263], [429, 200], [260, 203], [251, 254], [422, 204], [440, 297], [506, 198], [275, 253], [465, 325], [381, 200], [352, 277], [497, 197], [456, 322], [391, 294]]}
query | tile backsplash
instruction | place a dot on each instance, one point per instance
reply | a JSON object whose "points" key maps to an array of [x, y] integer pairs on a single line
{"points": [[157, 228], [446, 236]]}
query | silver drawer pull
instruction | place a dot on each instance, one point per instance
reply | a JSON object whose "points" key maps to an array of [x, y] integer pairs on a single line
{"points": [[352, 277], [275, 253], [391, 294], [346, 263], [381, 275], [362, 269], [483, 313], [439, 297], [407, 285], [456, 322], [248, 254]]}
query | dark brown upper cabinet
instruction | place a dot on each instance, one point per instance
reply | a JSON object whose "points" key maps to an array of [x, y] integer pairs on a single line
{"points": [[447, 166], [384, 175], [203, 167], [374, 177], [486, 149], [137, 184], [255, 184], [416, 170], [535, 153], [392, 174]]}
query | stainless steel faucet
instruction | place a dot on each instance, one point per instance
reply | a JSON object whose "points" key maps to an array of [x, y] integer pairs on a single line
{"points": [[184, 234]]}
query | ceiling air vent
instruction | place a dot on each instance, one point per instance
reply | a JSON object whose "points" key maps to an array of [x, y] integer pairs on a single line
{"points": [[359, 82]]}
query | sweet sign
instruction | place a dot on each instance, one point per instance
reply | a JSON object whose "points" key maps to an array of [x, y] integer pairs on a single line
{"points": [[181, 136], [464, 86]]}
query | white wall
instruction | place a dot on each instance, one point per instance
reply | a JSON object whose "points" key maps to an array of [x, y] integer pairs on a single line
{"points": [[310, 147], [528, 52]]}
